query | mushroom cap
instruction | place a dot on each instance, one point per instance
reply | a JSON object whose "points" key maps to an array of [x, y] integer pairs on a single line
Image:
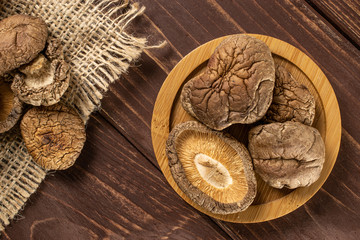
{"points": [[22, 37], [49, 83], [236, 86], [211, 168], [11, 107], [288, 154], [292, 101], [54, 136]]}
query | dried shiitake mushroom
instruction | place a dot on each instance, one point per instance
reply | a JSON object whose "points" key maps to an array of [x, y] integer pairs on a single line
{"points": [[22, 38], [11, 107], [236, 87], [288, 154], [45, 79], [292, 101], [54, 136], [212, 169]]}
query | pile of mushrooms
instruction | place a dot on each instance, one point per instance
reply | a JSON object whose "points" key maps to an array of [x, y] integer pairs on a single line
{"points": [[242, 84], [34, 75]]}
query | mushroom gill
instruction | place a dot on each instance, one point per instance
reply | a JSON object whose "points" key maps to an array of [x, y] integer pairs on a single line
{"points": [[212, 169]]}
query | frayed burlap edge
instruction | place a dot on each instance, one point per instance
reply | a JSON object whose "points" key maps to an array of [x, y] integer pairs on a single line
{"points": [[98, 50]]}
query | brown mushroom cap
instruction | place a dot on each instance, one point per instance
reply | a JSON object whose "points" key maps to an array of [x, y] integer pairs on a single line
{"points": [[292, 101], [44, 80], [288, 154], [212, 169], [54, 136], [11, 107], [22, 37], [236, 87]]}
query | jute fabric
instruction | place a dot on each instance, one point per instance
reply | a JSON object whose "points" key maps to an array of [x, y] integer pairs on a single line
{"points": [[98, 50]]}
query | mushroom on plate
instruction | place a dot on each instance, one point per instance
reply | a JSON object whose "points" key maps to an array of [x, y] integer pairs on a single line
{"points": [[53, 135], [22, 38], [211, 168], [236, 87], [292, 101], [289, 154]]}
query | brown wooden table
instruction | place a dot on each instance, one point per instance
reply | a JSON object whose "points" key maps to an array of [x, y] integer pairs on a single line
{"points": [[116, 190]]}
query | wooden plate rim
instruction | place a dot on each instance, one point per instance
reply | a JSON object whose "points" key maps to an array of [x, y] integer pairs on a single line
{"points": [[160, 126]]}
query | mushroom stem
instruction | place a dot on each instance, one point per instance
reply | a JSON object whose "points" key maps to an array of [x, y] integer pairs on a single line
{"points": [[37, 67], [39, 72]]}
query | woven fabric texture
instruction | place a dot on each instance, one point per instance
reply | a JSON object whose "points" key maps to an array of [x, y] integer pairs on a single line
{"points": [[98, 50]]}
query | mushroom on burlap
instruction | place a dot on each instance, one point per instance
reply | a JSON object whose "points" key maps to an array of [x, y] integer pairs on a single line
{"points": [[22, 38], [53, 135], [44, 80], [11, 107], [41, 76], [289, 154]]}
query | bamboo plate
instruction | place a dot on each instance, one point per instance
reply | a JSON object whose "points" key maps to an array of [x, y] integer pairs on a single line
{"points": [[269, 203]]}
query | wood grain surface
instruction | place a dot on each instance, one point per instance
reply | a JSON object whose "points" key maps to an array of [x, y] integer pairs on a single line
{"points": [[116, 190], [344, 16]]}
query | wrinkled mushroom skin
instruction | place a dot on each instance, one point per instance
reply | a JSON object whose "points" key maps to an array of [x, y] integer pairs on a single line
{"points": [[193, 192], [236, 87], [46, 85], [54, 136], [22, 38], [291, 101], [54, 49], [288, 154]]}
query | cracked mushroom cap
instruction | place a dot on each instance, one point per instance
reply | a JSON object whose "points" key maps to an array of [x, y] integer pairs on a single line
{"points": [[44, 80], [22, 37], [212, 169], [11, 107], [54, 136], [288, 154], [291, 101], [236, 87]]}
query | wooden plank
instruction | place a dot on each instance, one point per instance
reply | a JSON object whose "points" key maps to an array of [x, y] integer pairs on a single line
{"points": [[112, 192], [343, 15], [129, 103]]}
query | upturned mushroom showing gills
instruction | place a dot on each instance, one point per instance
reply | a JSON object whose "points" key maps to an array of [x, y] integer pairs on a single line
{"points": [[44, 80], [11, 107], [22, 37], [54, 136], [236, 87], [213, 169]]}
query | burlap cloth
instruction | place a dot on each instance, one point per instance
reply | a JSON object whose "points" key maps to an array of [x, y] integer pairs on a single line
{"points": [[98, 50]]}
